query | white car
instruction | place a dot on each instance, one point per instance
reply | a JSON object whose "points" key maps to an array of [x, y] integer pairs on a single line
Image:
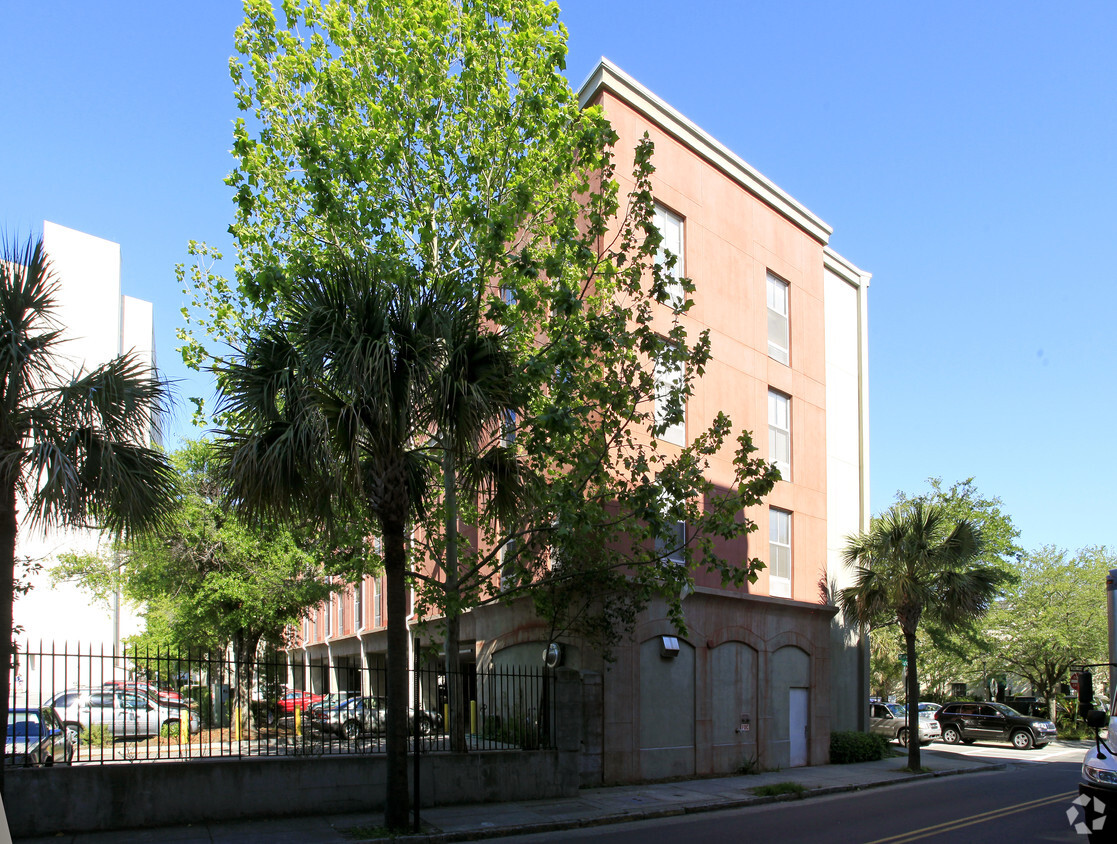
{"points": [[122, 713], [891, 720]]}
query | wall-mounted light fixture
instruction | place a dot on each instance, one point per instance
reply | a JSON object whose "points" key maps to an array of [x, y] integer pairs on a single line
{"points": [[669, 646]]}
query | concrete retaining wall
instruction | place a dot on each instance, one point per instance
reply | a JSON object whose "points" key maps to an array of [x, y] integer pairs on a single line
{"points": [[105, 797]]}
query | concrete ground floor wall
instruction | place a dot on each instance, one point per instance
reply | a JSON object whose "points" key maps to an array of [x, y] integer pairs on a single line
{"points": [[86, 798], [754, 682]]}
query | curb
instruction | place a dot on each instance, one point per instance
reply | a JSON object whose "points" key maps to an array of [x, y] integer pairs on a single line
{"points": [[653, 814]]}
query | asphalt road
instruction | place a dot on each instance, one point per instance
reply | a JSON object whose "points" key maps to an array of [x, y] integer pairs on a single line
{"points": [[1026, 802]]}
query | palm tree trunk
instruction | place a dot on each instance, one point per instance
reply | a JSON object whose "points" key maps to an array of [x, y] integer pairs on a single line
{"points": [[455, 696], [7, 597], [912, 703], [395, 569]]}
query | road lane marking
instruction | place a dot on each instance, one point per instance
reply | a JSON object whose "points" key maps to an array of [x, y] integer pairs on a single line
{"points": [[960, 823]]}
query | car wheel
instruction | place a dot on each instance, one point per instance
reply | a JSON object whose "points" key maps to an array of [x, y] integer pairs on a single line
{"points": [[902, 737], [351, 729], [951, 735], [1022, 740], [69, 752]]}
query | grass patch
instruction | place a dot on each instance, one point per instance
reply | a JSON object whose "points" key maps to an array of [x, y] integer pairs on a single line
{"points": [[778, 788], [907, 770]]}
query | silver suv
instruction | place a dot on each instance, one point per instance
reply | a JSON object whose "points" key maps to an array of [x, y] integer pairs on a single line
{"points": [[121, 712], [891, 720]]}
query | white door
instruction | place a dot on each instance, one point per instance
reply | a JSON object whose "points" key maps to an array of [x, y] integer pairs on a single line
{"points": [[799, 710]]}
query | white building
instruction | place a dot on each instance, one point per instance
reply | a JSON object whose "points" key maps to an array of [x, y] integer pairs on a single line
{"points": [[99, 324]]}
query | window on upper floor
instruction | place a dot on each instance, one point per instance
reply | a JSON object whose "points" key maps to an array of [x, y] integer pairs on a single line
{"points": [[327, 613], [673, 549], [377, 601], [509, 576], [670, 226], [508, 428], [779, 552], [779, 432], [779, 335], [359, 605], [670, 403]]}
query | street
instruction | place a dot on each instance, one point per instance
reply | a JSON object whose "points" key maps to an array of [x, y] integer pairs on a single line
{"points": [[1028, 801]]}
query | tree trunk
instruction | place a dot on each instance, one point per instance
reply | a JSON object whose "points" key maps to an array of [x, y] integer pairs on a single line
{"points": [[912, 703], [455, 696], [7, 596], [244, 652], [395, 569]]}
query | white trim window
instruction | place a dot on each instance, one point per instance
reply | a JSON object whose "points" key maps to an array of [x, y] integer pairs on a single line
{"points": [[377, 602], [508, 574], [669, 426], [674, 550], [327, 613], [779, 334], [670, 226], [779, 432], [779, 553], [359, 605]]}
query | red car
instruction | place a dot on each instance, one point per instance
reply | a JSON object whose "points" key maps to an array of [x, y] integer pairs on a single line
{"points": [[288, 703], [164, 696]]}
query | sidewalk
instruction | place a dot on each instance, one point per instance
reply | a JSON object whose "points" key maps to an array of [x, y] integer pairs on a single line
{"points": [[591, 807]]}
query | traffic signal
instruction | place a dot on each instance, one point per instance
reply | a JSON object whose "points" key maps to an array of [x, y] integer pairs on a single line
{"points": [[1085, 692]]}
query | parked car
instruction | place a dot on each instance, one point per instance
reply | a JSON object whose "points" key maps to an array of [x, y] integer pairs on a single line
{"points": [[364, 715], [891, 720], [298, 699], [929, 708], [35, 738], [978, 721], [167, 697], [124, 713], [333, 699]]}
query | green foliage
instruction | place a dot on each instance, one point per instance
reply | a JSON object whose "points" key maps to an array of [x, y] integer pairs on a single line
{"points": [[1054, 617], [777, 789], [847, 747], [96, 735], [170, 730], [916, 564]]}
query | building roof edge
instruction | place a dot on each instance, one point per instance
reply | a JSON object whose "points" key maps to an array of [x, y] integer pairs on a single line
{"points": [[608, 75]]}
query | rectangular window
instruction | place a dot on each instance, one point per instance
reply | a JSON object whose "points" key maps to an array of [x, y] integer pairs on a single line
{"points": [[673, 549], [377, 609], [779, 552], [508, 428], [670, 226], [508, 577], [779, 347], [340, 614], [327, 613], [779, 432], [670, 404], [359, 605]]}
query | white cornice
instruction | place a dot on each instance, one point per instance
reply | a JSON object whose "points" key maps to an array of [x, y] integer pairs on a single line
{"points": [[608, 75], [843, 268]]}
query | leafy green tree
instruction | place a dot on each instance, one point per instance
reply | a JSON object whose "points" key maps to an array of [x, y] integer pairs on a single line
{"points": [[915, 564], [950, 653], [208, 580], [75, 448], [1054, 617], [434, 152]]}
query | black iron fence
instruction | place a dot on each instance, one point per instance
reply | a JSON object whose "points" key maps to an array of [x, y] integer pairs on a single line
{"points": [[139, 705]]}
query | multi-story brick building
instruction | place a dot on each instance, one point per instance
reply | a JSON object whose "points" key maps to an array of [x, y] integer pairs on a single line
{"points": [[765, 672]]}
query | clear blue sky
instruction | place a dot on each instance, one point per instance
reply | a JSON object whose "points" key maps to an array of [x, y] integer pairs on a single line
{"points": [[965, 154]]}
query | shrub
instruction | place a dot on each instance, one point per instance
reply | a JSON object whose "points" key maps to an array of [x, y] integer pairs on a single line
{"points": [[778, 788], [170, 730], [847, 747], [97, 735]]}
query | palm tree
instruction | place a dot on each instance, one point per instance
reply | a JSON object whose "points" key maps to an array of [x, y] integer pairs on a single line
{"points": [[914, 565], [340, 411], [73, 448]]}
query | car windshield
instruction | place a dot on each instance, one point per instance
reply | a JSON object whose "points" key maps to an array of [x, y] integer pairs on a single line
{"points": [[23, 723], [897, 709]]}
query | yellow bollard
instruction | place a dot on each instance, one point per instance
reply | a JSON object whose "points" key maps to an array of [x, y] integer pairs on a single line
{"points": [[446, 716], [473, 717], [183, 725], [236, 723], [298, 721]]}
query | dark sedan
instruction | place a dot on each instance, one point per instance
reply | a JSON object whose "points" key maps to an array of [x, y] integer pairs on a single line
{"points": [[991, 721]]}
